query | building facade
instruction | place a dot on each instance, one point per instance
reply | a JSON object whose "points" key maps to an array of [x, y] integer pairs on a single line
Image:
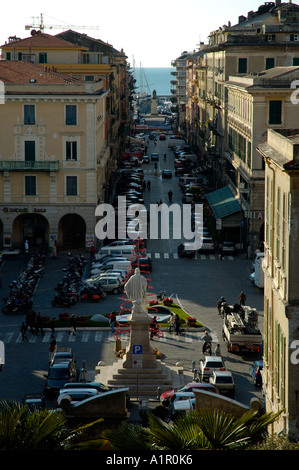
{"points": [[255, 103], [281, 296], [52, 145], [259, 41]]}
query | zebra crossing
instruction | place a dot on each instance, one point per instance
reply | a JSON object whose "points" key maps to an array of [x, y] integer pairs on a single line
{"points": [[100, 336], [197, 256]]}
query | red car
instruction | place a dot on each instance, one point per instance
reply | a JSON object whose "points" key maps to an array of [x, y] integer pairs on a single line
{"points": [[165, 397], [162, 137]]}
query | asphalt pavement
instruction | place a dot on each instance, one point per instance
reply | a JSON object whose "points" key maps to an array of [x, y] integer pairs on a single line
{"points": [[196, 284]]}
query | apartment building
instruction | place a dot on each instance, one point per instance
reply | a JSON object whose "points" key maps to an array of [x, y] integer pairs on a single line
{"points": [[178, 88], [52, 146], [255, 104], [81, 56], [259, 41], [281, 297]]}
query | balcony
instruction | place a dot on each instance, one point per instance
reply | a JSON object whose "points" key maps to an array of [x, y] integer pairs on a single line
{"points": [[8, 165]]}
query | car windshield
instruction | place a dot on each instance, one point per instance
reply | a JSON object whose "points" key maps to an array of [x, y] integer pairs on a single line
{"points": [[224, 380], [214, 364], [58, 374]]}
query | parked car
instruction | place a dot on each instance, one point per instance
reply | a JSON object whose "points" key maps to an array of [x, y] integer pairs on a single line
{"points": [[181, 402], [255, 372], [145, 264], [208, 365], [58, 375], [207, 244], [185, 252], [75, 395], [63, 355], [97, 385], [189, 387], [166, 173], [154, 157], [227, 248], [224, 382], [34, 401], [110, 284], [188, 198]]}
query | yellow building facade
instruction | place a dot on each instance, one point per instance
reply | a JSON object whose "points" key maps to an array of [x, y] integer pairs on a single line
{"points": [[281, 296], [53, 156]]}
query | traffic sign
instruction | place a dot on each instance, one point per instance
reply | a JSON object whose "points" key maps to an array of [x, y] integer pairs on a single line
{"points": [[137, 348]]}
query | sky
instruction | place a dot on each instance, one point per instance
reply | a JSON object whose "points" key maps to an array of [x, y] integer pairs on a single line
{"points": [[151, 34]]}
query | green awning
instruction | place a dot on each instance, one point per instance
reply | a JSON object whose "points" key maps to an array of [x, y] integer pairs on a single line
{"points": [[222, 203]]}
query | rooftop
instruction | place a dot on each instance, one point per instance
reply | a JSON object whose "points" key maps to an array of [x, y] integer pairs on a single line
{"points": [[40, 40], [19, 72]]}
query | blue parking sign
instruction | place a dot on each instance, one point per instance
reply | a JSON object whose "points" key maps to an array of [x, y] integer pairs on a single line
{"points": [[137, 348]]}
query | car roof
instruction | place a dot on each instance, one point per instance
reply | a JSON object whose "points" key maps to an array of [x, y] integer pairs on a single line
{"points": [[78, 390], [222, 372], [61, 364], [184, 394], [214, 358], [200, 384]]}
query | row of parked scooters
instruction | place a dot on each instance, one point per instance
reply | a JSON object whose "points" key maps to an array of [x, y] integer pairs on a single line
{"points": [[20, 297], [71, 289]]}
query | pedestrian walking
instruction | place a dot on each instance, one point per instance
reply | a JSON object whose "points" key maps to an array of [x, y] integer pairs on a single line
{"points": [[112, 320], [171, 322], [52, 350], [73, 325], [148, 185], [52, 326], [242, 298], [154, 328], [23, 331], [26, 245], [177, 324], [39, 324], [217, 351]]}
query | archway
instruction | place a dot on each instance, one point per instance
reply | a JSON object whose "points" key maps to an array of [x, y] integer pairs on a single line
{"points": [[31, 227], [72, 230]]}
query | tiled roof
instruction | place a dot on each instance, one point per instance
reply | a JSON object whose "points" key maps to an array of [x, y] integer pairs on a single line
{"points": [[18, 72], [41, 40]]}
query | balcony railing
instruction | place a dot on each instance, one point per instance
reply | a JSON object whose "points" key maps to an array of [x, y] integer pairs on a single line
{"points": [[8, 165]]}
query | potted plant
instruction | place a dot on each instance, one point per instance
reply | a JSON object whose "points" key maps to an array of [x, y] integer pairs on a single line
{"points": [[168, 301]]}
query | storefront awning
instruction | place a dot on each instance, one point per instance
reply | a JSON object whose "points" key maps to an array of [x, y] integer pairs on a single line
{"points": [[222, 203]]}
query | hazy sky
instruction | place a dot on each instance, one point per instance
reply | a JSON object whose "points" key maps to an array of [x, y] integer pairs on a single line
{"points": [[152, 33]]}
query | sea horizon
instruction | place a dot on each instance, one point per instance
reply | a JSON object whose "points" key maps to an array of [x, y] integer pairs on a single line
{"points": [[149, 79]]}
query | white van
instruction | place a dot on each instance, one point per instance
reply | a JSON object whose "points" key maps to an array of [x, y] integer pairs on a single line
{"points": [[126, 251], [124, 265], [183, 180]]}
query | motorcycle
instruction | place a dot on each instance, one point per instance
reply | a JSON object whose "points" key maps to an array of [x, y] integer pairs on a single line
{"points": [[207, 348], [92, 294]]}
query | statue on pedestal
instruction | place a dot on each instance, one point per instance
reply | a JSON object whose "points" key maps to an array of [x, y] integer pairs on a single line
{"points": [[135, 289]]}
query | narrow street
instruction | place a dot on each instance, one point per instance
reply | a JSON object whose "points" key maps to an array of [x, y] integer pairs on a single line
{"points": [[196, 284]]}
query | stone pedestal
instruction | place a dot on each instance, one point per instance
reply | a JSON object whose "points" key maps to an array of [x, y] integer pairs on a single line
{"points": [[142, 373], [139, 324]]}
